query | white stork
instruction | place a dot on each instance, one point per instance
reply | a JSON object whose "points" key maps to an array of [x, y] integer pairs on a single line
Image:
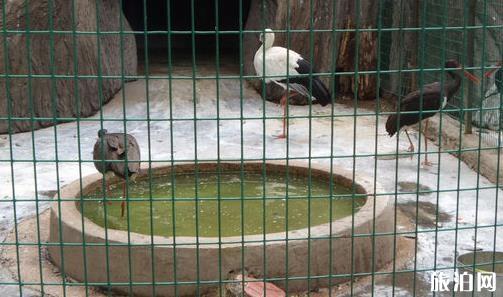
{"points": [[277, 70]]}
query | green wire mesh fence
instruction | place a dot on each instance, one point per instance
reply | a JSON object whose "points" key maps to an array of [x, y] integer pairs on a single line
{"points": [[222, 207], [450, 39]]}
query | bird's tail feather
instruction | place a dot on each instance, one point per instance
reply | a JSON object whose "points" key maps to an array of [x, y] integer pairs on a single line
{"points": [[320, 92], [391, 125]]}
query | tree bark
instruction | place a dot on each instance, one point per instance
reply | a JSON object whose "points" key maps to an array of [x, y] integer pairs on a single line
{"points": [[403, 48]]}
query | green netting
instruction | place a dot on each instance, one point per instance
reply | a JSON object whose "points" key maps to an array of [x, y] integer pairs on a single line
{"points": [[452, 31], [179, 76]]}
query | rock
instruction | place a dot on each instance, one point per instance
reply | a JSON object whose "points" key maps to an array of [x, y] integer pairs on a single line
{"points": [[252, 288], [55, 54]]}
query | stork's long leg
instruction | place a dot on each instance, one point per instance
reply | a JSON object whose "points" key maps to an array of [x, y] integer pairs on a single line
{"points": [[411, 146], [123, 203], [426, 162], [282, 103], [107, 189]]}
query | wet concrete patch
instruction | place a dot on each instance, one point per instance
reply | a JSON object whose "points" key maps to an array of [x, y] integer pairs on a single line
{"points": [[426, 213], [49, 193], [394, 155], [405, 186]]}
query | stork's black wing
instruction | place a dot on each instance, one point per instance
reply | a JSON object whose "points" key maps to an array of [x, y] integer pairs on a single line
{"points": [[499, 80], [431, 99], [319, 90], [411, 111]]}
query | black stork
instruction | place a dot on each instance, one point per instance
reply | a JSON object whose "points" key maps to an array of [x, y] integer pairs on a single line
{"points": [[434, 98], [114, 149], [280, 63]]}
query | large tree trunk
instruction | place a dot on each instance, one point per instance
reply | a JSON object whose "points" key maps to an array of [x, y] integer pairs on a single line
{"points": [[330, 51], [362, 84], [53, 54], [403, 48]]}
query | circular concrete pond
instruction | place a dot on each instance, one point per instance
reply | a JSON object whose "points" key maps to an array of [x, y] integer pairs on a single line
{"points": [[85, 250]]}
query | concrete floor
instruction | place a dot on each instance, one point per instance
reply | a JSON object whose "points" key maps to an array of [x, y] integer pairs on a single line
{"points": [[351, 139]]}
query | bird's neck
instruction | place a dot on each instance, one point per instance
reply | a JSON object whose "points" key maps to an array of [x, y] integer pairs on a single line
{"points": [[260, 50], [452, 83], [269, 41], [267, 45]]}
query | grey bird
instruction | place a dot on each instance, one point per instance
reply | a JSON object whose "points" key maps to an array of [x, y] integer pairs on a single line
{"points": [[110, 147]]}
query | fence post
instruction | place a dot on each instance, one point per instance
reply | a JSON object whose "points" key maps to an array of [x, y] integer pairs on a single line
{"points": [[470, 59]]}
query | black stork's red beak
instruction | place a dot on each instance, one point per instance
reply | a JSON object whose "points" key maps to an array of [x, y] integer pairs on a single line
{"points": [[471, 77], [490, 72], [454, 64]]}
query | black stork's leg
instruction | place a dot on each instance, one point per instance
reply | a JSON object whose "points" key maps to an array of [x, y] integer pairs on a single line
{"points": [[426, 162], [123, 203], [411, 146]]}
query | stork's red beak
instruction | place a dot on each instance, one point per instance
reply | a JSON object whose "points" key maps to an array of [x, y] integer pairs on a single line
{"points": [[471, 77], [490, 72]]}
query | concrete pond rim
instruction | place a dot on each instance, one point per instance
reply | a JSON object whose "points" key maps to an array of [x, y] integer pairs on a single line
{"points": [[370, 249]]}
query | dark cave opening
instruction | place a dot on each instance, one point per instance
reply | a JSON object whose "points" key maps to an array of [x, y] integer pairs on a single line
{"points": [[180, 17]]}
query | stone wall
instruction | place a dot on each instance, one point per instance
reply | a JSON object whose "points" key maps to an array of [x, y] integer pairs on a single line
{"points": [[44, 54]]}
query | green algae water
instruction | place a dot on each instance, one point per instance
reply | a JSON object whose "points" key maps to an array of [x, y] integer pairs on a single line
{"points": [[239, 211]]}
